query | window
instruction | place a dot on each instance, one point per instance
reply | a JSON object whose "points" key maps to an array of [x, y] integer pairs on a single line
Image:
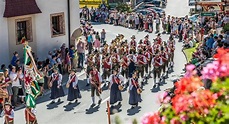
{"points": [[23, 30], [57, 24]]}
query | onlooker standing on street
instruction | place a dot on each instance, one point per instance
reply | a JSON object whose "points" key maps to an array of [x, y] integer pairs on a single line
{"points": [[103, 36], [81, 52], [72, 55], [89, 42], [14, 77], [180, 31], [14, 59]]}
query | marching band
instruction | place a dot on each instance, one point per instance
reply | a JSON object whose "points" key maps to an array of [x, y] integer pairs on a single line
{"points": [[131, 64]]}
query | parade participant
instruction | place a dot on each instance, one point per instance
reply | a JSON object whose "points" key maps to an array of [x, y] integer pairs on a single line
{"points": [[164, 56], [106, 67], [146, 41], [8, 113], [30, 116], [90, 63], [141, 62], [134, 91], [132, 60], [172, 50], [116, 86], [97, 60], [147, 56], [158, 39], [95, 80], [150, 50], [124, 66], [156, 62], [55, 84], [115, 59], [73, 88], [133, 42]]}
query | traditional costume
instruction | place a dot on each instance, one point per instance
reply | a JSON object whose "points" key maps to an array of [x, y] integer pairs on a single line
{"points": [[8, 113], [106, 68], [95, 80], [134, 97], [141, 62], [116, 81], [30, 116], [56, 88], [73, 88], [156, 62]]}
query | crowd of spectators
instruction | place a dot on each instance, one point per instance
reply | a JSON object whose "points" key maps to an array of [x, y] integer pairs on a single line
{"points": [[63, 58]]}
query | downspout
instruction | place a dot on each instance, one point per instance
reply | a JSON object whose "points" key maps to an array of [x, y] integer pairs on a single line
{"points": [[69, 22]]}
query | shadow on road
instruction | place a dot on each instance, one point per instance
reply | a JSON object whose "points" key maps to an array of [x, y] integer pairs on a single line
{"points": [[91, 110], [133, 111], [156, 89], [71, 106], [54, 105]]}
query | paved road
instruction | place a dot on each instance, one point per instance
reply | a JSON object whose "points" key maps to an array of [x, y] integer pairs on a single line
{"points": [[78, 113]]}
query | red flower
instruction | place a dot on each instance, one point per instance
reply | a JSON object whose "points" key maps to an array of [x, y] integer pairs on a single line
{"points": [[188, 85]]}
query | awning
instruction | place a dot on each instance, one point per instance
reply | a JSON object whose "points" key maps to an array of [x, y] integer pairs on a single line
{"points": [[15, 8]]}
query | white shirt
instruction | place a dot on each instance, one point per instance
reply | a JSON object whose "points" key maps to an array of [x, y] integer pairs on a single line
{"points": [[133, 57], [76, 80], [16, 82], [59, 78], [121, 78]]}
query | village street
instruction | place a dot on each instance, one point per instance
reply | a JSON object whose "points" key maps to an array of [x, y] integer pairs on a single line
{"points": [[81, 114]]}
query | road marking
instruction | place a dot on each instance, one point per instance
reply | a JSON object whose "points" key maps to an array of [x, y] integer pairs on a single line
{"points": [[105, 100]]}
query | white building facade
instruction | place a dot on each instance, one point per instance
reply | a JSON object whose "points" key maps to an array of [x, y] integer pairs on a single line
{"points": [[46, 27]]}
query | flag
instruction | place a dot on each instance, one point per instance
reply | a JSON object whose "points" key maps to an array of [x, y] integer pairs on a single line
{"points": [[30, 101], [35, 89], [31, 76]]}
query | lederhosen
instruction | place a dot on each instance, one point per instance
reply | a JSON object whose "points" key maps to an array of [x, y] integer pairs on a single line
{"points": [[150, 50], [89, 68], [97, 62], [165, 61], [124, 64], [157, 69], [95, 80], [172, 49], [115, 63], [133, 43], [106, 69], [147, 55], [140, 65]]}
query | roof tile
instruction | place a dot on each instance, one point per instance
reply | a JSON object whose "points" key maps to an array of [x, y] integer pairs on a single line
{"points": [[20, 7]]}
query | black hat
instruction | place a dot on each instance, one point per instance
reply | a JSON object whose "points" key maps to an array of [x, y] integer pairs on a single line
{"points": [[159, 34]]}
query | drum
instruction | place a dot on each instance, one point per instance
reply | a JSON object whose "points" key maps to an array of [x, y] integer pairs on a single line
{"points": [[139, 90], [67, 85], [120, 87]]}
